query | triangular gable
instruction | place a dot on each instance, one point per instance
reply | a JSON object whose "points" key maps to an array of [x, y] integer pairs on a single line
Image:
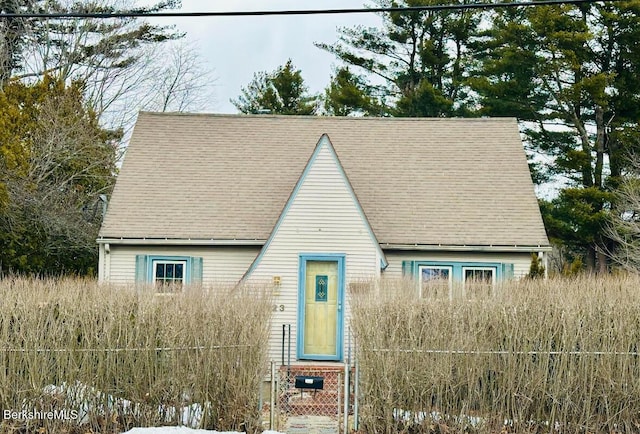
{"points": [[324, 142]]}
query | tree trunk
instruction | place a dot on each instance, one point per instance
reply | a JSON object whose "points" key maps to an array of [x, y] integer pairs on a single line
{"points": [[590, 258], [603, 266], [600, 146]]}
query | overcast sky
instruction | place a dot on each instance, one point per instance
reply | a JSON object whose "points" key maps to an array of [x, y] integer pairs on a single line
{"points": [[237, 47]]}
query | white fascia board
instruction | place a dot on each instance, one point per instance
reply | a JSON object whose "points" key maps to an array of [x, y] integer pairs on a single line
{"points": [[179, 242], [465, 248]]}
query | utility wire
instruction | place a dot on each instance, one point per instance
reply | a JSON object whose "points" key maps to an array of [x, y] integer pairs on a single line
{"points": [[116, 350], [140, 14]]}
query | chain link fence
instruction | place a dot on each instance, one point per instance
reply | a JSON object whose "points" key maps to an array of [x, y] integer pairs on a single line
{"points": [[310, 399]]}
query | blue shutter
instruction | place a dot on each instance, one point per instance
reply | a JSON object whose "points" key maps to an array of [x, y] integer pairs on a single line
{"points": [[507, 271], [196, 270], [142, 263], [407, 268]]}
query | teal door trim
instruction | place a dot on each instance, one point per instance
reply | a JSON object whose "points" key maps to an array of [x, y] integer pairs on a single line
{"points": [[302, 277]]}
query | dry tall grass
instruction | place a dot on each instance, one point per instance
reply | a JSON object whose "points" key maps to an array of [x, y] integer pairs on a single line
{"points": [[538, 356], [123, 358]]}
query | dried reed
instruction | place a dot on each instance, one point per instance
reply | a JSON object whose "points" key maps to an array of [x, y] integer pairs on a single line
{"points": [[537, 356], [107, 359]]}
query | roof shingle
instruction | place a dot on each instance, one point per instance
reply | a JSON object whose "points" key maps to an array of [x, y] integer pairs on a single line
{"points": [[419, 181]]}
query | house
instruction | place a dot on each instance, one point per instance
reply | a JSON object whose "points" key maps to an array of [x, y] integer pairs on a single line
{"points": [[313, 206]]}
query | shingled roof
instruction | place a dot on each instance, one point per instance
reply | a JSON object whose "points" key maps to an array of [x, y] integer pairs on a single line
{"points": [[419, 181]]}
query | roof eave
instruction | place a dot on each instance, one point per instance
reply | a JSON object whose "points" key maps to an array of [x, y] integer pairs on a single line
{"points": [[180, 241], [467, 248]]}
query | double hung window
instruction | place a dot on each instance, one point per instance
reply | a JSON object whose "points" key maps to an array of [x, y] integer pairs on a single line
{"points": [[435, 281], [478, 281], [169, 276]]}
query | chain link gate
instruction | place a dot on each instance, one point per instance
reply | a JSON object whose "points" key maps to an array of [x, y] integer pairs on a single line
{"points": [[306, 409], [309, 397], [298, 410]]}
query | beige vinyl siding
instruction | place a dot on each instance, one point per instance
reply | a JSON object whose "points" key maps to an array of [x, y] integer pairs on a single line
{"points": [[221, 264], [322, 218], [521, 261]]}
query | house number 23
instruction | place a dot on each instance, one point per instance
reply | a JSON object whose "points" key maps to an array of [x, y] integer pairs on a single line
{"points": [[278, 307]]}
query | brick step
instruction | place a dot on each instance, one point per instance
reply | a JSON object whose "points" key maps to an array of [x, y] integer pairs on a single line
{"points": [[327, 387], [308, 398], [314, 370], [330, 375], [303, 402], [298, 394], [298, 409], [313, 403]]}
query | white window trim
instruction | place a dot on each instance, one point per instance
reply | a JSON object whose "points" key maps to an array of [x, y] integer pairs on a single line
{"points": [[435, 267], [493, 270], [156, 262]]}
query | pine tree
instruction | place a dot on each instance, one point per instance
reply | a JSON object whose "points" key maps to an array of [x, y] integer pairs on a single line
{"points": [[421, 56], [282, 91], [571, 74], [348, 94]]}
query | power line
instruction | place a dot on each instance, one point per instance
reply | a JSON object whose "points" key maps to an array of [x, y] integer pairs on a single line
{"points": [[116, 350], [143, 14]]}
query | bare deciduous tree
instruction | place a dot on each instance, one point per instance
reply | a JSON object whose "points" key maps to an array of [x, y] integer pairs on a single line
{"points": [[11, 36], [623, 229], [182, 82], [125, 64], [51, 220]]}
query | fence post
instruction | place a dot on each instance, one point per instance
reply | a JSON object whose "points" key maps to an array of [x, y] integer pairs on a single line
{"points": [[339, 400], [283, 332], [289, 351], [346, 398], [272, 404], [355, 392]]}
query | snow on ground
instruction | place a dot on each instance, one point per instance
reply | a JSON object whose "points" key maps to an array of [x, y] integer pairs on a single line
{"points": [[420, 416], [172, 430], [81, 396], [182, 430]]}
